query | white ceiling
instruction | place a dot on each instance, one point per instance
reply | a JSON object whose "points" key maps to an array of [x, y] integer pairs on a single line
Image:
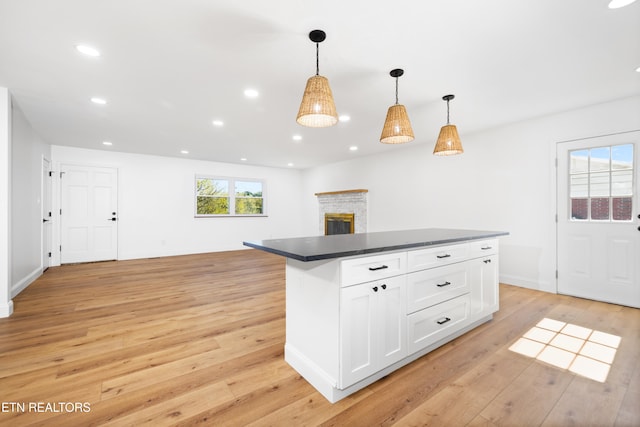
{"points": [[169, 67]]}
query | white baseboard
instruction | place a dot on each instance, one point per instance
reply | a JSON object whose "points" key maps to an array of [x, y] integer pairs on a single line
{"points": [[525, 282], [26, 281], [6, 309]]}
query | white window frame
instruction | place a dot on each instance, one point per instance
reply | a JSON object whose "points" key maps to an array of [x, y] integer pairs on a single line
{"points": [[232, 196]]}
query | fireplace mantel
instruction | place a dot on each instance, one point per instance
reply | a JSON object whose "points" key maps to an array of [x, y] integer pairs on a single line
{"points": [[331, 193]]}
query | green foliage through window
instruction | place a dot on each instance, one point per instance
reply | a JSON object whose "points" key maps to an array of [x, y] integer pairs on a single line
{"points": [[228, 196]]}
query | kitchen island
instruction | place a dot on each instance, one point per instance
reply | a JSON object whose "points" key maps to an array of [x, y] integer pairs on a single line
{"points": [[359, 306]]}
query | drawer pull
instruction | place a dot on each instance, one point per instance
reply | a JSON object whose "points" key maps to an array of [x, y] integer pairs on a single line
{"points": [[384, 286], [375, 289], [487, 261], [485, 248], [443, 321], [443, 256], [442, 285], [382, 267]]}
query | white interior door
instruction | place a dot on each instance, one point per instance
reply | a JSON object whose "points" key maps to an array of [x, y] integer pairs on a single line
{"points": [[46, 213], [88, 217], [598, 233]]}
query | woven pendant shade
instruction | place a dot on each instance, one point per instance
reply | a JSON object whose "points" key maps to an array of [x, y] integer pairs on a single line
{"points": [[448, 142], [397, 127], [317, 108]]}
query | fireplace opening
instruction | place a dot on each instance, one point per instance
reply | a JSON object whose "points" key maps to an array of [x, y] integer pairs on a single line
{"points": [[338, 223]]}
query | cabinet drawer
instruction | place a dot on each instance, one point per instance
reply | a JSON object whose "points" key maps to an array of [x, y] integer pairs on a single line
{"points": [[422, 259], [479, 248], [427, 326], [430, 287], [366, 269]]}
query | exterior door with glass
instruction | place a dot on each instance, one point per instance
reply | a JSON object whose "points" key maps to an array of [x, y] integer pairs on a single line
{"points": [[598, 225]]}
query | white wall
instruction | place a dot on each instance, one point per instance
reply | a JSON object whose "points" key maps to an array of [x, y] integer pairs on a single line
{"points": [[28, 150], [156, 204], [505, 180], [6, 305]]}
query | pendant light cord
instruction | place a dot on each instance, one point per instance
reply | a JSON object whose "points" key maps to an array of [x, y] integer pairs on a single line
{"points": [[447, 111], [317, 59], [396, 91]]}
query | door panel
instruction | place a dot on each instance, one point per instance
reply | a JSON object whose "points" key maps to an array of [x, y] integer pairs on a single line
{"points": [[597, 231], [89, 206]]}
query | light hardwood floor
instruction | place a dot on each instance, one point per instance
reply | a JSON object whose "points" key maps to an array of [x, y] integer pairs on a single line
{"points": [[198, 340]]}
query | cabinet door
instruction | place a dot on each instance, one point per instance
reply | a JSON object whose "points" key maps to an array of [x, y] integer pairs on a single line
{"points": [[357, 313], [373, 328], [484, 285], [490, 299], [390, 321]]}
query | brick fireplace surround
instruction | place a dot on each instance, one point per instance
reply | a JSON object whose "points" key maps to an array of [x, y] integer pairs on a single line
{"points": [[346, 201]]}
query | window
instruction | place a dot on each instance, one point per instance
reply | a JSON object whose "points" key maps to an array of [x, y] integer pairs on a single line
{"points": [[217, 196], [601, 183]]}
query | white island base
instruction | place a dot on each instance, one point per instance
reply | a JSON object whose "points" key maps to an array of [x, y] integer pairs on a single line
{"points": [[353, 320]]}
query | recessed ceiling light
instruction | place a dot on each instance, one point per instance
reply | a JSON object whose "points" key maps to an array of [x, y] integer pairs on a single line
{"points": [[353, 148], [297, 137], [344, 118], [251, 93], [184, 151], [616, 4], [99, 101], [107, 143], [289, 164], [87, 50], [243, 159], [638, 69], [218, 123]]}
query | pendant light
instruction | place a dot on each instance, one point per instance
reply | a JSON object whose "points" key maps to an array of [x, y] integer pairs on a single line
{"points": [[397, 127], [448, 141], [317, 109]]}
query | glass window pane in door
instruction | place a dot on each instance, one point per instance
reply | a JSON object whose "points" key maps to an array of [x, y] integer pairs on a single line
{"points": [[579, 185], [622, 182], [599, 160], [622, 156], [579, 161], [621, 207], [599, 184], [579, 209], [600, 208]]}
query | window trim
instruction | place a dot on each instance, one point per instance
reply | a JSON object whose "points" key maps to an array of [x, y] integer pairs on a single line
{"points": [[231, 180]]}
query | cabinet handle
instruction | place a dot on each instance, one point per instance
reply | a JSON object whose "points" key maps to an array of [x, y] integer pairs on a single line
{"points": [[487, 261], [384, 286], [486, 248], [375, 289], [442, 285], [443, 321], [382, 267], [443, 256]]}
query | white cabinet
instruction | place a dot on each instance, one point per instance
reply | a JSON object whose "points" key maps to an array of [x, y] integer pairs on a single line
{"points": [[351, 321], [372, 329]]}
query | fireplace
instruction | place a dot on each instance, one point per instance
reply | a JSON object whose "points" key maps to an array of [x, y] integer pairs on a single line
{"points": [[338, 223], [345, 202]]}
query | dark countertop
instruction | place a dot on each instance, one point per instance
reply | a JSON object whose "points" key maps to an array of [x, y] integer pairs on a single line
{"points": [[316, 248]]}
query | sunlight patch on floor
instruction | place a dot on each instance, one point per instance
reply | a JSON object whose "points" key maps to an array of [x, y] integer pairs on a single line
{"points": [[580, 350]]}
